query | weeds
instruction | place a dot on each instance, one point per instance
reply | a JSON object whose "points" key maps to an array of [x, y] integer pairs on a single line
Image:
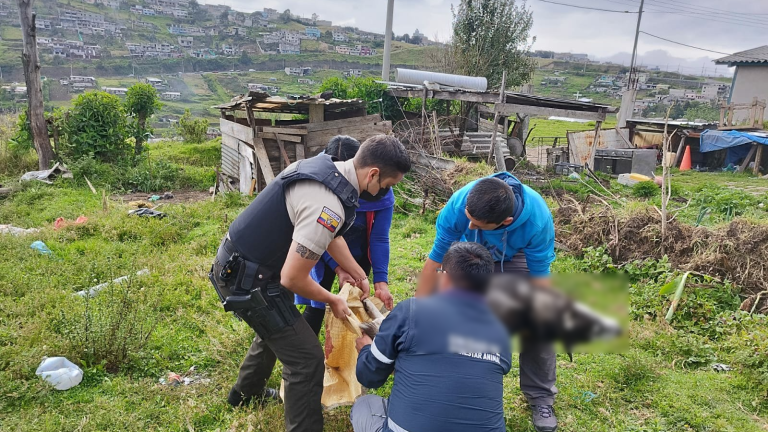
{"points": [[110, 328]]}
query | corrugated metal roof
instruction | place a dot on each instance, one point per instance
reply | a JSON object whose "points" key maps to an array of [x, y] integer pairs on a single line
{"points": [[754, 55], [689, 124], [262, 101], [511, 97]]}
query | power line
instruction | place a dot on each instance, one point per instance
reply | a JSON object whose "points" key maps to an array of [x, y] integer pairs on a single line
{"points": [[714, 10], [713, 15], [589, 8], [698, 48]]}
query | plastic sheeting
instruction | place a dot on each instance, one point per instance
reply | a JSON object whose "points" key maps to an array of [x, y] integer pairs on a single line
{"points": [[417, 77], [713, 140]]}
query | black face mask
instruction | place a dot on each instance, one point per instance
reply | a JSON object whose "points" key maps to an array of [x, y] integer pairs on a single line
{"points": [[367, 196]]}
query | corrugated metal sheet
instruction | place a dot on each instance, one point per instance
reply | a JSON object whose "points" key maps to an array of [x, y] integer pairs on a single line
{"points": [[580, 143], [647, 139], [230, 157]]}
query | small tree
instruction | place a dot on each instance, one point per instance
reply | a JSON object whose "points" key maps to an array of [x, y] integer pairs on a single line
{"points": [[286, 16], [141, 103], [191, 129], [97, 126], [490, 37], [338, 86], [31, 63]]}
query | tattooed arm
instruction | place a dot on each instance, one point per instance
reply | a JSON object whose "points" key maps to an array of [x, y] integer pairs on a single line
{"points": [[295, 277]]}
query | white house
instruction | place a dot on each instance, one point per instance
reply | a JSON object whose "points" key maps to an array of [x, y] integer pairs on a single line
{"points": [[170, 95], [750, 79]]}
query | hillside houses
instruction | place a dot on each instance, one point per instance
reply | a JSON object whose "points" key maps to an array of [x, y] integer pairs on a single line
{"points": [[185, 30], [185, 41], [153, 50], [117, 91], [352, 73], [298, 71], [69, 48], [87, 23], [339, 36], [357, 50]]}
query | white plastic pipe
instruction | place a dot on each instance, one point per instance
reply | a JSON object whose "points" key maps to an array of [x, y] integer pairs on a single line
{"points": [[416, 77]]}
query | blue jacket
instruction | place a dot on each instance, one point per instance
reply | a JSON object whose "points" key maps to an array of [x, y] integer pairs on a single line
{"points": [[531, 231], [449, 354], [380, 214]]}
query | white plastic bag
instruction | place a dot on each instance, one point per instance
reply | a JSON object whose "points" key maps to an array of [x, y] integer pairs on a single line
{"points": [[61, 373]]}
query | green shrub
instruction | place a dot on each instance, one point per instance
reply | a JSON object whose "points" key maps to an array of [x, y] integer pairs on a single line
{"points": [[192, 130], [97, 126], [141, 103], [111, 327], [338, 86], [151, 176], [645, 189]]}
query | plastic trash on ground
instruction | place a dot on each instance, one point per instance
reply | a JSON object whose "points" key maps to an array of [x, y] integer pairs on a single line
{"points": [[145, 212], [61, 222], [47, 176], [632, 179], [16, 231], [95, 290], [61, 373], [41, 247]]}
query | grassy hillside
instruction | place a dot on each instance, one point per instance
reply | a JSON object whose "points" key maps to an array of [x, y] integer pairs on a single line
{"points": [[662, 383]]}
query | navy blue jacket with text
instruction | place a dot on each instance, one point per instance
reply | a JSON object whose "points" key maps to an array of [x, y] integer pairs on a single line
{"points": [[449, 354]]}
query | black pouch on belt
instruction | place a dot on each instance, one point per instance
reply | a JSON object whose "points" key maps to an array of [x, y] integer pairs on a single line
{"points": [[260, 301]]}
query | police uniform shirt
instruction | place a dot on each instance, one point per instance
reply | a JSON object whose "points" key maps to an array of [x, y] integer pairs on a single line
{"points": [[315, 211]]}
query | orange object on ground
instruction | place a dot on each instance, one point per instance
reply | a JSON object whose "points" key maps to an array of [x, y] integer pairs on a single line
{"points": [[61, 222], [685, 165]]}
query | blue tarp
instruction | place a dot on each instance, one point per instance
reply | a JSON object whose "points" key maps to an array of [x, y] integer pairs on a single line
{"points": [[712, 140]]}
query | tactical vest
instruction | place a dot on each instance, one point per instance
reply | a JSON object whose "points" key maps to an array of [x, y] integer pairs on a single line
{"points": [[263, 232]]}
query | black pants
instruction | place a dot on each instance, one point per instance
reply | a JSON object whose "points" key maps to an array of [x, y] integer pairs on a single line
{"points": [[302, 357], [314, 316]]}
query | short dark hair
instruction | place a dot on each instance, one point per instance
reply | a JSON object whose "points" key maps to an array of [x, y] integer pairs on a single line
{"points": [[342, 147], [469, 265], [386, 153], [491, 201]]}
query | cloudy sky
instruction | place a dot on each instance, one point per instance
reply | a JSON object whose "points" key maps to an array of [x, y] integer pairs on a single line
{"points": [[717, 25]]}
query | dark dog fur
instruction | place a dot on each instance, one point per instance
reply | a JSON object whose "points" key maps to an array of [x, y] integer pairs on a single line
{"points": [[546, 315]]}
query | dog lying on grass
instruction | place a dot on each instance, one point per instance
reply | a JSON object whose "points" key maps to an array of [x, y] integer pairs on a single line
{"points": [[541, 314], [546, 315]]}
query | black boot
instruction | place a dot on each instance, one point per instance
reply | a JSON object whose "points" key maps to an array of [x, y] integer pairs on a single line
{"points": [[236, 399]]}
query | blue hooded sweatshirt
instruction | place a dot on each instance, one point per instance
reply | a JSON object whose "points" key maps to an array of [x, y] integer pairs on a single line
{"points": [[531, 231]]}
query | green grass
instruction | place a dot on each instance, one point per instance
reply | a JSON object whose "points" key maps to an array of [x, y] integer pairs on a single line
{"points": [[543, 127], [11, 33], [639, 390]]}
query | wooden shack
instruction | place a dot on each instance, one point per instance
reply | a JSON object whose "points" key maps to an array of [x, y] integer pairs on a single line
{"points": [[254, 149]]}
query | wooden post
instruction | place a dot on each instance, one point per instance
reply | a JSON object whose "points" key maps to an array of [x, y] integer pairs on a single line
{"points": [[495, 149], [282, 152], [300, 151], [260, 156], [751, 153], [316, 113], [31, 64], [758, 157], [595, 141], [722, 115], [753, 112]]}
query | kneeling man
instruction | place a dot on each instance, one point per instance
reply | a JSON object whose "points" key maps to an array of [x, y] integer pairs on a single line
{"points": [[449, 354]]}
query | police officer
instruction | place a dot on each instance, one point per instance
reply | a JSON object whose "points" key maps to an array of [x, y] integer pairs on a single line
{"points": [[266, 258]]}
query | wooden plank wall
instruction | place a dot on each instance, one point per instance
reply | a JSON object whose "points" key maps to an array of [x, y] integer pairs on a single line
{"points": [[299, 140]]}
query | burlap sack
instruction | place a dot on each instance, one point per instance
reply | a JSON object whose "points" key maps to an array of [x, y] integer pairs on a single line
{"points": [[340, 386]]}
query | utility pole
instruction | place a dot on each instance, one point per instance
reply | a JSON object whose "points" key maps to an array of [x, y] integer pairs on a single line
{"points": [[628, 98], [634, 49], [387, 41]]}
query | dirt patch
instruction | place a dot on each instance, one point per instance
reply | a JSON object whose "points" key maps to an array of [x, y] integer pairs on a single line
{"points": [[737, 252], [179, 197]]}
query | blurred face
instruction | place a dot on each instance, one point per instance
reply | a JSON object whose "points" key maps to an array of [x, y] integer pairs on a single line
{"points": [[475, 224]]}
